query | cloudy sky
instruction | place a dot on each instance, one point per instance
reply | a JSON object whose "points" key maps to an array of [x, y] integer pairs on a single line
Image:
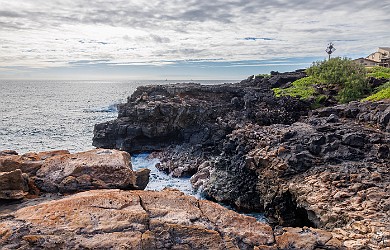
{"points": [[181, 39]]}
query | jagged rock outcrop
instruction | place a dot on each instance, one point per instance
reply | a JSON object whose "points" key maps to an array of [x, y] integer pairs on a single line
{"points": [[284, 80], [373, 113], [155, 117], [323, 171], [114, 219]]}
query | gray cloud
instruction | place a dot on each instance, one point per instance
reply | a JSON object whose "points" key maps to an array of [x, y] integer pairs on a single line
{"points": [[9, 14], [156, 31]]}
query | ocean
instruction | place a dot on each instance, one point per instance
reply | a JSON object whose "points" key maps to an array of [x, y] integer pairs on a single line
{"points": [[49, 115]]}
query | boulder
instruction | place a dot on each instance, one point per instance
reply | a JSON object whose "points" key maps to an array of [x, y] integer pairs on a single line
{"points": [[94, 169], [13, 185]]}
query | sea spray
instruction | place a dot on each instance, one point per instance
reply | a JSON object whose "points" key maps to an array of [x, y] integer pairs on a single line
{"points": [[160, 180]]}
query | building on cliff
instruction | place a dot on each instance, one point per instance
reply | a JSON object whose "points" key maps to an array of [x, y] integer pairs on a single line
{"points": [[366, 62], [378, 58]]}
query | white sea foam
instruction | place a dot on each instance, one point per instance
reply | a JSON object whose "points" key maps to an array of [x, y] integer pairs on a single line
{"points": [[159, 180]]}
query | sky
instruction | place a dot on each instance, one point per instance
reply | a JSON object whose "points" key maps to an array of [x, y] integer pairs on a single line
{"points": [[182, 39]]}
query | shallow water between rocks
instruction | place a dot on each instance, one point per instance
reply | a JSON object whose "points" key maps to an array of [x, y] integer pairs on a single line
{"points": [[159, 180]]}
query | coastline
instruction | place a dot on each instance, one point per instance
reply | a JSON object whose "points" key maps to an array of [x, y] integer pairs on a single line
{"points": [[321, 176]]}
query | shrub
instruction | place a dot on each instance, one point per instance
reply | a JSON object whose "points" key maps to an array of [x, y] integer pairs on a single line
{"points": [[379, 72], [342, 73]]}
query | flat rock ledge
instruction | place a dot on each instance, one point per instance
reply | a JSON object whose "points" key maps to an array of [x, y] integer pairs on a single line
{"points": [[117, 219]]}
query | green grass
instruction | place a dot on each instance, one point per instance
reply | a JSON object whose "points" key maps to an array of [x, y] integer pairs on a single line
{"points": [[381, 93], [379, 72], [302, 88]]}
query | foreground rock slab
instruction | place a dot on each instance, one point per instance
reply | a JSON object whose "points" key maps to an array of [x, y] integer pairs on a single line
{"points": [[115, 219]]}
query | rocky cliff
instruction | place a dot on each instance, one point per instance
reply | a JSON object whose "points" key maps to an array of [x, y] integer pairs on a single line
{"points": [[155, 117], [326, 168]]}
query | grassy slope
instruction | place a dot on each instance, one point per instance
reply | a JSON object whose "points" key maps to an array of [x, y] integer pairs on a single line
{"points": [[304, 88]]}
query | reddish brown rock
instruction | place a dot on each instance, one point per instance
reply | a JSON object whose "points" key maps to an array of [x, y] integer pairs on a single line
{"points": [[13, 185], [28, 163], [94, 169], [350, 203], [132, 219], [306, 239]]}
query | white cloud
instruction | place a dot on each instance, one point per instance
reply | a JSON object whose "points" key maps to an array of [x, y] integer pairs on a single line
{"points": [[38, 34]]}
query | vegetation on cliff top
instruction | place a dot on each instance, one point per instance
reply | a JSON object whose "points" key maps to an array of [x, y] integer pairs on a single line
{"points": [[379, 72], [380, 93], [302, 88], [338, 80]]}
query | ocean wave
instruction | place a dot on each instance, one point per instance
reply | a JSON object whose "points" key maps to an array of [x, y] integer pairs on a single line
{"points": [[159, 180]]}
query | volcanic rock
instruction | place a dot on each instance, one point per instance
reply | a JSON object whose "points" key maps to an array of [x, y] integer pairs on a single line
{"points": [[13, 185], [94, 169], [327, 168], [28, 163], [158, 116]]}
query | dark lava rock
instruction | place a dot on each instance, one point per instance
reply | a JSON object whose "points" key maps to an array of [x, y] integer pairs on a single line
{"points": [[284, 79], [155, 117]]}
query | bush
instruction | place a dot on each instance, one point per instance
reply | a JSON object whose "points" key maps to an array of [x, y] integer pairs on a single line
{"points": [[379, 72], [382, 92], [343, 74]]}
